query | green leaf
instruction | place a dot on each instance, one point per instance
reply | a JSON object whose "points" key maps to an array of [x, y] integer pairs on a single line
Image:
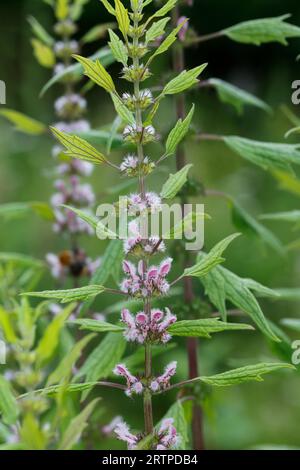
{"points": [[175, 182], [19, 259], [183, 81], [292, 323], [40, 31], [178, 133], [97, 32], [244, 221], [291, 216], [104, 55], [122, 18], [90, 219], [108, 6], [221, 284], [176, 412], [237, 97], [167, 43], [118, 48], [64, 369], [78, 148], [212, 259], [24, 123], [184, 226], [76, 9], [122, 110], [110, 266], [31, 434], [102, 359], [268, 156], [6, 326], [8, 404], [17, 209], [98, 326], [75, 429], [163, 10], [55, 389], [244, 374], [62, 9], [287, 182], [69, 295], [97, 73], [292, 294], [49, 341], [263, 31], [156, 30], [204, 327], [102, 137], [43, 54]]}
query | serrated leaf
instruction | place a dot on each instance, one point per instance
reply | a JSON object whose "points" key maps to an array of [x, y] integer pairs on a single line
{"points": [[49, 341], [269, 156], [244, 374], [8, 405], [69, 295], [78, 147], [236, 97], [76, 69], [102, 359], [122, 18], [204, 327], [118, 48], [64, 369], [167, 42], [221, 284], [96, 72], [212, 259], [122, 110], [98, 326], [54, 389], [40, 31], [43, 54], [97, 32], [75, 429], [183, 81], [184, 226], [175, 182], [102, 137], [163, 10], [108, 7], [263, 31], [176, 412], [156, 30], [24, 123], [179, 132], [245, 222]]}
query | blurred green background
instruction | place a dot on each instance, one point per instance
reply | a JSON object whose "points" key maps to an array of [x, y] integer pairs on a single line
{"points": [[242, 416]]}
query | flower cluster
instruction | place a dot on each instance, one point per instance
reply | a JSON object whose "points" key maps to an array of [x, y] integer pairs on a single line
{"points": [[70, 108], [165, 438], [142, 284], [136, 385], [137, 246], [136, 134], [131, 166], [148, 203], [151, 328]]}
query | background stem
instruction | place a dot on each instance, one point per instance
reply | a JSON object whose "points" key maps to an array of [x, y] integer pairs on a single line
{"points": [[192, 343]]}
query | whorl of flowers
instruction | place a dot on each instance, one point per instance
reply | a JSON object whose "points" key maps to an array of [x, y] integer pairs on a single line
{"points": [[70, 108]]}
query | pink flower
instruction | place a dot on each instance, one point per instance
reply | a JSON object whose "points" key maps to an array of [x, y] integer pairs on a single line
{"points": [[134, 385], [110, 427], [184, 28], [163, 381], [123, 433], [148, 328], [167, 435]]}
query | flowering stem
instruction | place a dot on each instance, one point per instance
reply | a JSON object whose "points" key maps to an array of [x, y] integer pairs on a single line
{"points": [[192, 343], [148, 414]]}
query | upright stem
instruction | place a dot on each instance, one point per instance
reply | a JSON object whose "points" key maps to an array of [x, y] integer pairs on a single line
{"points": [[148, 414], [192, 343]]}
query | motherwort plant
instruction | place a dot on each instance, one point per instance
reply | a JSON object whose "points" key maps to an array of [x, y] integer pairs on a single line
{"points": [[147, 281]]}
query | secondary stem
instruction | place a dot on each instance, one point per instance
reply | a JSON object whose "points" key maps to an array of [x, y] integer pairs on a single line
{"points": [[192, 345]]}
